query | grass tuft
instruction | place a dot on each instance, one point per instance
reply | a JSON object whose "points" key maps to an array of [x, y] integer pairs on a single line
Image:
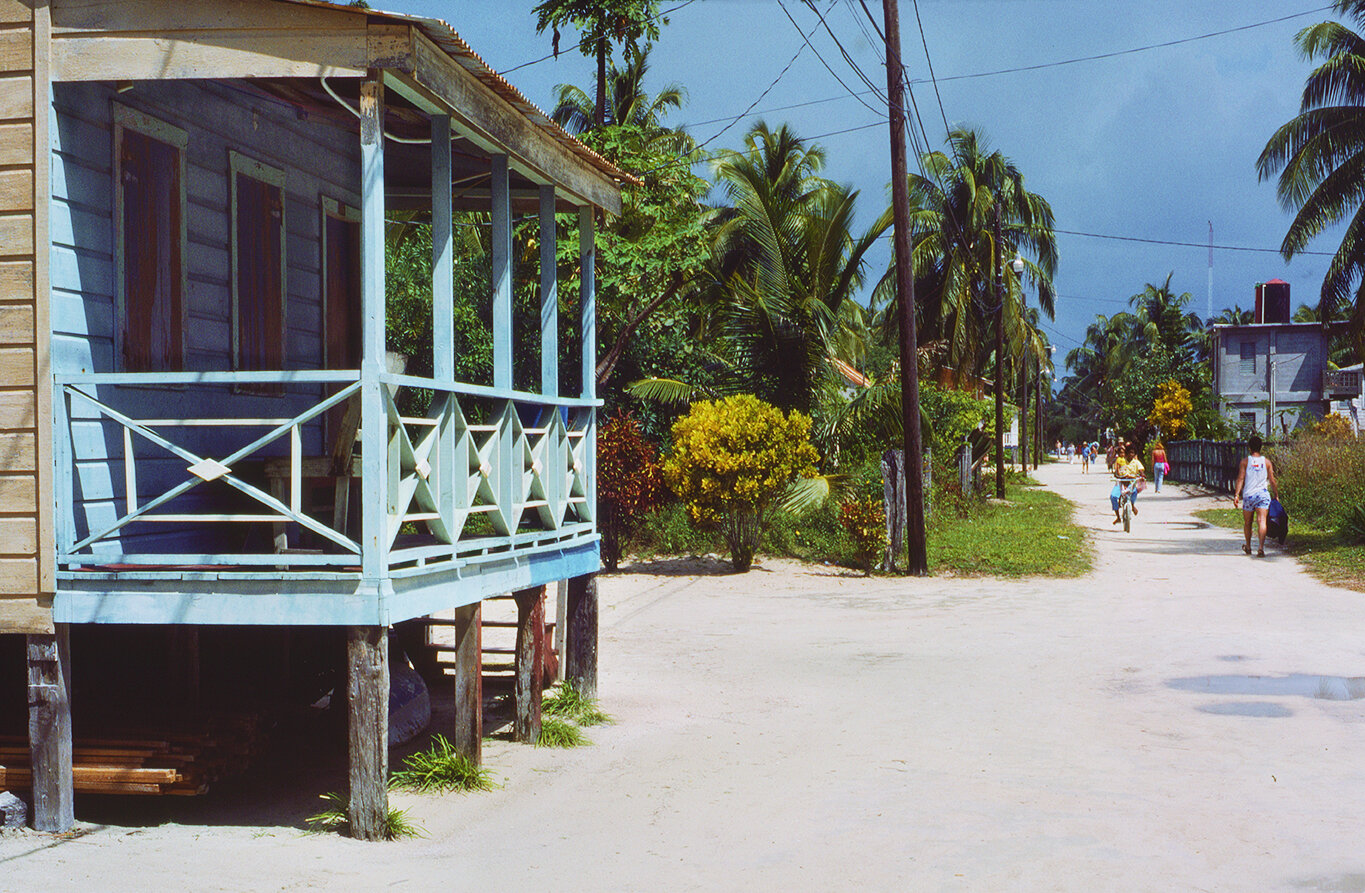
{"points": [[568, 703], [555, 732], [337, 817], [442, 768]]}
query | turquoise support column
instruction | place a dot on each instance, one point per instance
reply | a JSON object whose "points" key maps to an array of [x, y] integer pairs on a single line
{"points": [[443, 311], [502, 274], [549, 296], [587, 249], [373, 419]]}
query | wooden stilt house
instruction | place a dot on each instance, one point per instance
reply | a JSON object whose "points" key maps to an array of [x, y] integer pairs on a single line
{"points": [[192, 309]]}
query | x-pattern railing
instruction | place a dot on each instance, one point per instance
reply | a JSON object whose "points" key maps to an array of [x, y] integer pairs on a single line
{"points": [[521, 460]]}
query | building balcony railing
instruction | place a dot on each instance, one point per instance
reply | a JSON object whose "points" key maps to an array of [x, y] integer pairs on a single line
{"points": [[1337, 384], [184, 470]]}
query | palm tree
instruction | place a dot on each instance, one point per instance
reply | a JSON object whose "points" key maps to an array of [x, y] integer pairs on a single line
{"points": [[627, 104], [602, 23], [1320, 158], [1162, 318], [785, 263], [777, 293], [953, 207]]}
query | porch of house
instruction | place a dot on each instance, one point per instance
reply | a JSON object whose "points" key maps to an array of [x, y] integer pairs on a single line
{"points": [[284, 474]]}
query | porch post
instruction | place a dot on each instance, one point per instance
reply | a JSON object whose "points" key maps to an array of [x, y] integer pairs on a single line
{"points": [[367, 701], [373, 419], [530, 663], [49, 729], [502, 274], [580, 647], [549, 296], [468, 732], [580, 650], [587, 251], [367, 685], [443, 308]]}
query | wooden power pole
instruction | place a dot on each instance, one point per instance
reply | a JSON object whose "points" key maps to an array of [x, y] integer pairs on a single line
{"points": [[918, 563], [999, 360]]}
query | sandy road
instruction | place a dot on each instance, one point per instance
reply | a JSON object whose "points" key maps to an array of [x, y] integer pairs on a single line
{"points": [[1177, 720]]}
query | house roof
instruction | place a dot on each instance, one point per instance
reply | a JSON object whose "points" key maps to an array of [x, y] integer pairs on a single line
{"points": [[443, 35]]}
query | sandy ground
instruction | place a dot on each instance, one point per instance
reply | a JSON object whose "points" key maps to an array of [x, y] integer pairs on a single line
{"points": [[1178, 720]]}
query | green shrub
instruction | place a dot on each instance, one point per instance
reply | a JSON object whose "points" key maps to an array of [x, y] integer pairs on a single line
{"points": [[731, 461], [337, 817], [865, 521], [1321, 478], [569, 703], [556, 732], [669, 531], [442, 768]]}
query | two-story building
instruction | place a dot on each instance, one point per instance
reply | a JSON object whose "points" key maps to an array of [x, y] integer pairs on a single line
{"points": [[1273, 375], [192, 339]]}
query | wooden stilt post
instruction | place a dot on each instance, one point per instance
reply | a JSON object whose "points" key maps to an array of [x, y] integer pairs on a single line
{"points": [[49, 729], [468, 733], [580, 646], [367, 691], [530, 663]]}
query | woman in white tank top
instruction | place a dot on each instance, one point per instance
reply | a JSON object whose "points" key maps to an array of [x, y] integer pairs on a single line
{"points": [[1255, 485]]}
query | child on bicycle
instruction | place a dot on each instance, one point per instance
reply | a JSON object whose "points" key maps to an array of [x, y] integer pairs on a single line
{"points": [[1128, 470]]}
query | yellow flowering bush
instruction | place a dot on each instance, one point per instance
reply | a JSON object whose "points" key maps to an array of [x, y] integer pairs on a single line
{"points": [[731, 460], [1171, 406]]}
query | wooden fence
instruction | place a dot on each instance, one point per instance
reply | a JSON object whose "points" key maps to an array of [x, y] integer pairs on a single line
{"points": [[1211, 463]]}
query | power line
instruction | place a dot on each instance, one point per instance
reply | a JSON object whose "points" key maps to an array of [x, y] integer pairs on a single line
{"points": [[850, 90], [1202, 245], [736, 119], [1141, 49], [579, 45], [841, 96]]}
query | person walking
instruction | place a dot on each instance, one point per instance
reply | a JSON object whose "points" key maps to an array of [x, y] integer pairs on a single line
{"points": [[1085, 459], [1255, 486], [1159, 466]]}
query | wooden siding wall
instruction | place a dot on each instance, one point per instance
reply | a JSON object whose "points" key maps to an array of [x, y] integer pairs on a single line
{"points": [[319, 159], [24, 513]]}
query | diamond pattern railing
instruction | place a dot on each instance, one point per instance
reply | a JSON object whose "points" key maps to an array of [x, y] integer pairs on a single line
{"points": [[482, 472]]}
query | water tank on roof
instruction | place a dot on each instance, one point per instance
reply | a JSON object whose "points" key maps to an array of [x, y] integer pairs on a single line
{"points": [[1272, 301]]}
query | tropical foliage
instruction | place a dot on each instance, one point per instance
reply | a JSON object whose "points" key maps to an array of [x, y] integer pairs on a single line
{"points": [[1320, 158], [629, 482], [1169, 409], [731, 462]]}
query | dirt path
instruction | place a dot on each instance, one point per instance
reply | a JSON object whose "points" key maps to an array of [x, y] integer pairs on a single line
{"points": [[1167, 723]]}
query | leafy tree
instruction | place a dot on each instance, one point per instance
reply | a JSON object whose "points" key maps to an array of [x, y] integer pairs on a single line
{"points": [[628, 102], [601, 23], [1320, 158], [731, 462]]}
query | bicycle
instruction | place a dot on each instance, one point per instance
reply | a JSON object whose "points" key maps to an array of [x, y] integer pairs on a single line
{"points": [[1126, 486]]}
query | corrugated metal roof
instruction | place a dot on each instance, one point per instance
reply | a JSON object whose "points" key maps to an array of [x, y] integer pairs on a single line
{"points": [[444, 36]]}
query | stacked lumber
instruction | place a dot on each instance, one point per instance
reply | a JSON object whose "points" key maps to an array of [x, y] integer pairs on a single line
{"points": [[181, 764]]}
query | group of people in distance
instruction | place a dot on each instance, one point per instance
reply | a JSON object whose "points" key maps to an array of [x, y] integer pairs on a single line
{"points": [[1256, 484]]}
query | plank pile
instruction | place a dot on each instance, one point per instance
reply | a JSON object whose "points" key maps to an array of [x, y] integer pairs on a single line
{"points": [[178, 764]]}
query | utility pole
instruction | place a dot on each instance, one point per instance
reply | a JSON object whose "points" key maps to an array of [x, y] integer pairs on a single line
{"points": [[1025, 433], [999, 359], [918, 563]]}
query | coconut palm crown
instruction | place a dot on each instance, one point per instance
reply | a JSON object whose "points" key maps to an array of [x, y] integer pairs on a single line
{"points": [[1320, 158]]}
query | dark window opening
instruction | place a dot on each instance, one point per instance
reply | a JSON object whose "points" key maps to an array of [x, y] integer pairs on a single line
{"points": [[153, 299]]}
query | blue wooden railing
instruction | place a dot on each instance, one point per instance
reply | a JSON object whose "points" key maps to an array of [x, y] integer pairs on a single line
{"points": [[483, 474]]}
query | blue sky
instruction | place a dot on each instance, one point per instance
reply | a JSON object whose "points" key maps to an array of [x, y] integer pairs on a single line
{"points": [[1147, 145]]}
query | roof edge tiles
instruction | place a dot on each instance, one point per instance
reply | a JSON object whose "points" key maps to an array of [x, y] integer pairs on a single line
{"points": [[448, 39]]}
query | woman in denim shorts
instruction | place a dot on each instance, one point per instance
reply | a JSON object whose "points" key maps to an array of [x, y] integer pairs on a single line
{"points": [[1255, 485]]}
